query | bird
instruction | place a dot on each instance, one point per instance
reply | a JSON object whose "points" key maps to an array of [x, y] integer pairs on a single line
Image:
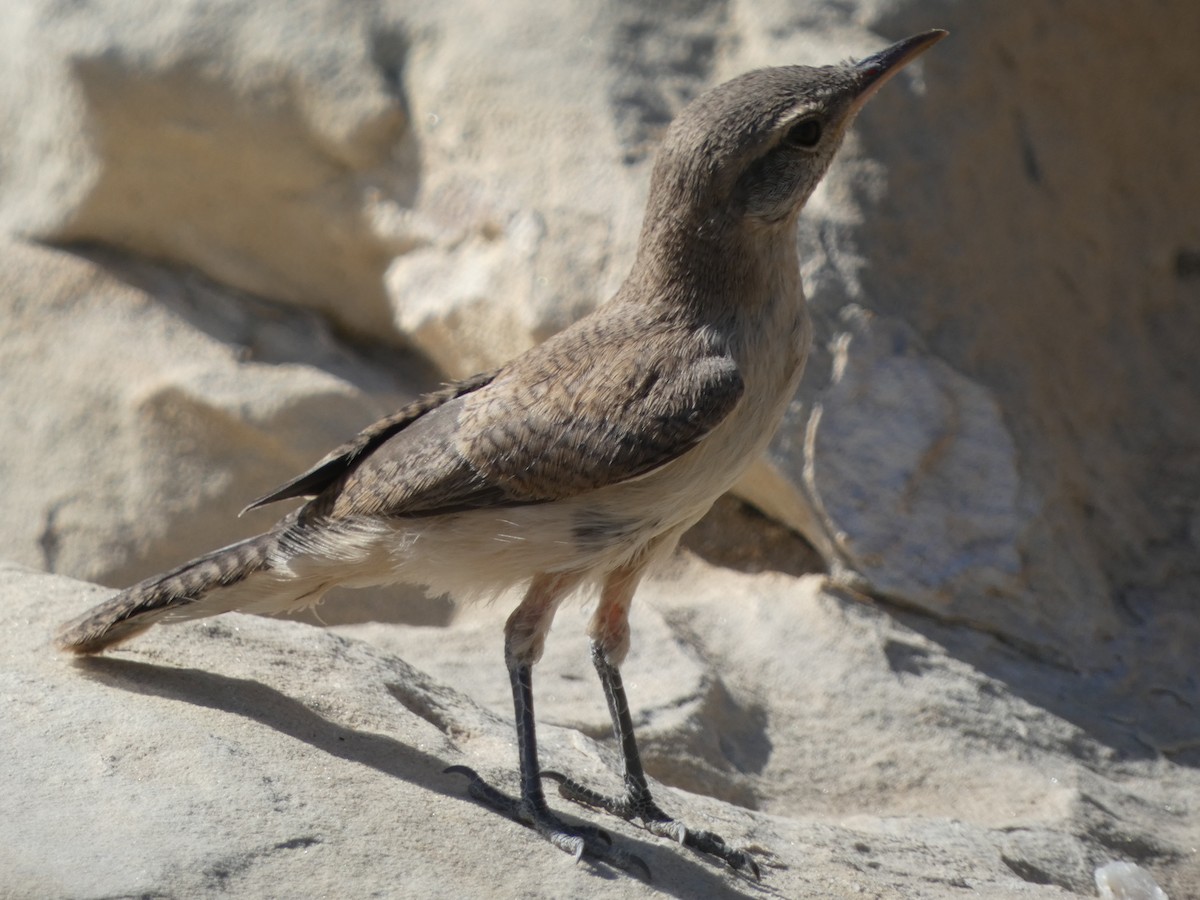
{"points": [[581, 462]]}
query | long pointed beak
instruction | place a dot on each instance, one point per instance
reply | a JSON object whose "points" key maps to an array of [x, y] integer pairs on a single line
{"points": [[876, 69]]}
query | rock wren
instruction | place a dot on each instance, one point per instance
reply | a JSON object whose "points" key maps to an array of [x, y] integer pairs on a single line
{"points": [[582, 461]]}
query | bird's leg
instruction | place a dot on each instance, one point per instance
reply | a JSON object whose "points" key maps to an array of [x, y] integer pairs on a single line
{"points": [[609, 631], [524, 640]]}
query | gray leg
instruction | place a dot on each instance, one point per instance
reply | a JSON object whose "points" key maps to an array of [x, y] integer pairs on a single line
{"points": [[610, 638], [524, 637]]}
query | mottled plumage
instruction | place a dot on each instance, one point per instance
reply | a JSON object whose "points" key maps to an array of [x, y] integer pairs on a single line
{"points": [[584, 459]]}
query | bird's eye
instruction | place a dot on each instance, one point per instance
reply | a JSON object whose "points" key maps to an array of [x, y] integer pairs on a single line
{"points": [[805, 134]]}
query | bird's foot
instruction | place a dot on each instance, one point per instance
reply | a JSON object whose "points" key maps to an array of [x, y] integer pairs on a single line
{"points": [[633, 805], [580, 841]]}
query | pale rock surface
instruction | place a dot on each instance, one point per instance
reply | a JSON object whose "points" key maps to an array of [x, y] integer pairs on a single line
{"points": [[1125, 881], [107, 362], [253, 141], [1048, 265], [931, 440], [252, 757]]}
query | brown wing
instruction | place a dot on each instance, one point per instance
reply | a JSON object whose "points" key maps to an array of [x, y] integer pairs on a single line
{"points": [[581, 423], [587, 409], [343, 459]]}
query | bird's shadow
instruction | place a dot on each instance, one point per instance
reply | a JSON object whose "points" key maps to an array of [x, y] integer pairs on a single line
{"points": [[267, 706], [678, 872]]}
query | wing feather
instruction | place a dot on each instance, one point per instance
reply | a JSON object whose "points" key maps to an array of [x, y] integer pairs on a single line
{"points": [[338, 462], [594, 406]]}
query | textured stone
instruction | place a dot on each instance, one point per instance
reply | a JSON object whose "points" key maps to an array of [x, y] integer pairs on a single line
{"points": [[939, 459], [146, 407], [253, 141], [1042, 256], [260, 758], [1125, 881]]}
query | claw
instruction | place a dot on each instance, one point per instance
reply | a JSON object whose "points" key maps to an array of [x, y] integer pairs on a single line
{"points": [[714, 845], [656, 822], [753, 866], [671, 829], [581, 841]]}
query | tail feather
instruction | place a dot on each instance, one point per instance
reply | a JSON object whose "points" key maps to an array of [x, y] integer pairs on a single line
{"points": [[172, 595]]}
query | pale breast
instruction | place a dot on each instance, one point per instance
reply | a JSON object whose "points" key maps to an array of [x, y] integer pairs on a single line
{"points": [[770, 356]]}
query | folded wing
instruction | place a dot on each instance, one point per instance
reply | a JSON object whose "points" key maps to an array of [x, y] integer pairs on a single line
{"points": [[582, 411]]}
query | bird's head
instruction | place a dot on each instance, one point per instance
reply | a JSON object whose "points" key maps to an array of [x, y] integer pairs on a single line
{"points": [[755, 147]]}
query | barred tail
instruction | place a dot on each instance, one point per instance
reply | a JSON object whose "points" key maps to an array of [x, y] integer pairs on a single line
{"points": [[214, 583]]}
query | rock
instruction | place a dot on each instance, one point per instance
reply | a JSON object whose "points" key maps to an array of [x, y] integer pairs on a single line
{"points": [[900, 437], [253, 756], [1049, 317], [253, 142], [146, 407], [1125, 881]]}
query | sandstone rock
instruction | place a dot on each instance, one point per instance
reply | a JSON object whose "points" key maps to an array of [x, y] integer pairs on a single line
{"points": [[1125, 881], [992, 208], [145, 408], [254, 142], [900, 437], [260, 758]]}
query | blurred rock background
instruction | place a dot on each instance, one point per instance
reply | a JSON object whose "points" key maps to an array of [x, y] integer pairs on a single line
{"points": [[961, 610]]}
